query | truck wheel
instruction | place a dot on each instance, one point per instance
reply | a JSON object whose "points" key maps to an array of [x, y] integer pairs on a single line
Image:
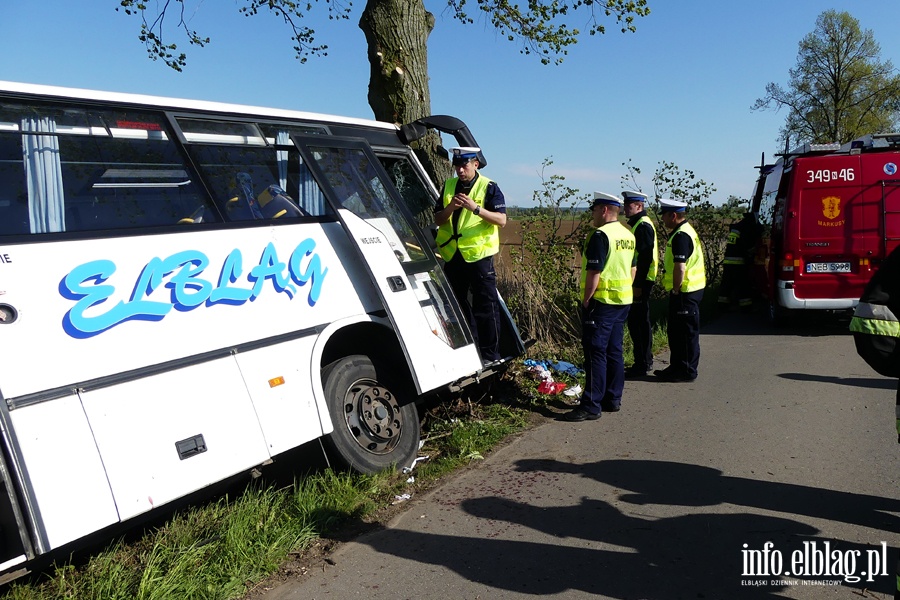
{"points": [[374, 428]]}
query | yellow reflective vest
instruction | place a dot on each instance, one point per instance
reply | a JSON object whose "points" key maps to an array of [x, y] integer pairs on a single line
{"points": [[615, 279], [695, 272], [474, 237], [654, 262]]}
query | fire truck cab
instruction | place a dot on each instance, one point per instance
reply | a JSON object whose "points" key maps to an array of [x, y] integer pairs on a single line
{"points": [[831, 214]]}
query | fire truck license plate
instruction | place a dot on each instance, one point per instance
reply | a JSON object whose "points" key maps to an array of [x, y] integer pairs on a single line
{"points": [[828, 267]]}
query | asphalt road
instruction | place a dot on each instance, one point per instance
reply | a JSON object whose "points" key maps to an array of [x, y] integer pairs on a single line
{"points": [[786, 438]]}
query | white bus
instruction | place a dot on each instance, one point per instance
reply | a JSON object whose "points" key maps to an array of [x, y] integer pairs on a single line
{"points": [[188, 289]]}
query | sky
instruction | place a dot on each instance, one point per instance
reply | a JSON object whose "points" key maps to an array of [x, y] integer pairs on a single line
{"points": [[678, 90]]}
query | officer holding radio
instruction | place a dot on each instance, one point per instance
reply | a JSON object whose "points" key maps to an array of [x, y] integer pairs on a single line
{"points": [[469, 215]]}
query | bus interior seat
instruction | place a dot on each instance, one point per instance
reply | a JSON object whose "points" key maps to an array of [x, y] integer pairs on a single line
{"points": [[276, 203], [242, 205], [200, 215]]}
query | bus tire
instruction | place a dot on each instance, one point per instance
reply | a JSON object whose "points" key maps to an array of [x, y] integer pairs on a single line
{"points": [[374, 429]]}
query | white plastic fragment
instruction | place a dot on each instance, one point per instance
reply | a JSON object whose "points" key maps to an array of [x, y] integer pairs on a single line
{"points": [[573, 391], [412, 465]]}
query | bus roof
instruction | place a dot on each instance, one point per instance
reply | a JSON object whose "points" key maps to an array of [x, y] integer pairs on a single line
{"points": [[180, 103]]}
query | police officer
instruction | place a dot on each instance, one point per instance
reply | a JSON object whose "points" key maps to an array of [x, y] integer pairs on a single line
{"points": [[684, 278], [469, 215], [607, 274], [742, 237], [647, 261]]}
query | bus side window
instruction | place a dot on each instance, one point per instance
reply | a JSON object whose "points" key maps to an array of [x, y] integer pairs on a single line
{"points": [[250, 183], [13, 195], [85, 170], [415, 194], [126, 183]]}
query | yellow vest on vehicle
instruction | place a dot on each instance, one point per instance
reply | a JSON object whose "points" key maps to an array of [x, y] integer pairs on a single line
{"points": [[475, 238], [615, 279], [654, 263], [695, 272]]}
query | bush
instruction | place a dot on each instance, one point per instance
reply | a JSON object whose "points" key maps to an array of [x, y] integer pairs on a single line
{"points": [[542, 287], [712, 223]]}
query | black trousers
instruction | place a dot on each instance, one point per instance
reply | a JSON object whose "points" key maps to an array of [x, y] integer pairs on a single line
{"points": [[684, 332], [640, 330], [603, 327], [736, 282], [483, 312]]}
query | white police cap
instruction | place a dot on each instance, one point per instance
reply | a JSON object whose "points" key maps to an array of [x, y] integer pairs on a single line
{"points": [[629, 196], [463, 152], [604, 198], [668, 205]]}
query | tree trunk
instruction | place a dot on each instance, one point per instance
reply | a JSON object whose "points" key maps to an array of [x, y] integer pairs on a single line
{"points": [[397, 36]]}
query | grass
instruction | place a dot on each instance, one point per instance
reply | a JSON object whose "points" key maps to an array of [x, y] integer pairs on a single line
{"points": [[211, 551]]}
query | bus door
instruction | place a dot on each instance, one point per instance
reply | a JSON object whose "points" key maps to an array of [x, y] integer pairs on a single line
{"points": [[436, 341], [15, 539]]}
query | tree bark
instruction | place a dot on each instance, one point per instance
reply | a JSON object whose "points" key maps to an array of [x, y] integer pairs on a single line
{"points": [[397, 36]]}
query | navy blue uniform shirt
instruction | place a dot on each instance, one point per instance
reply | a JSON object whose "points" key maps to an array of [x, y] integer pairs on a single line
{"points": [[682, 245]]}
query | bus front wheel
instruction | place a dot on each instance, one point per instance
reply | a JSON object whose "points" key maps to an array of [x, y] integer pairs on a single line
{"points": [[374, 427]]}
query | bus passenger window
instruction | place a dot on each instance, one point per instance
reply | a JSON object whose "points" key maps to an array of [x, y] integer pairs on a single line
{"points": [[86, 170], [255, 183], [13, 195]]}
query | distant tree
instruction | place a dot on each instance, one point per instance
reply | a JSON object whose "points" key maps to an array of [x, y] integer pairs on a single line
{"points": [[542, 287], [711, 222], [397, 32], [840, 88]]}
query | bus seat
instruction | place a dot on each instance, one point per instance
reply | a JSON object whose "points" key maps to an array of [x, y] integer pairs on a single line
{"points": [[242, 204], [276, 204], [198, 216]]}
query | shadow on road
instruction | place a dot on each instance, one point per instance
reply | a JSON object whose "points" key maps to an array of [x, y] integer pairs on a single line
{"points": [[758, 324], [671, 483], [601, 550], [867, 382]]}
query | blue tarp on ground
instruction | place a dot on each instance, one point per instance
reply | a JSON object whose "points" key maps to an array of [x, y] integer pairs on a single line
{"points": [[558, 366]]}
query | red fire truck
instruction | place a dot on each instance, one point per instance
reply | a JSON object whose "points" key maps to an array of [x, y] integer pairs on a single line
{"points": [[831, 213]]}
